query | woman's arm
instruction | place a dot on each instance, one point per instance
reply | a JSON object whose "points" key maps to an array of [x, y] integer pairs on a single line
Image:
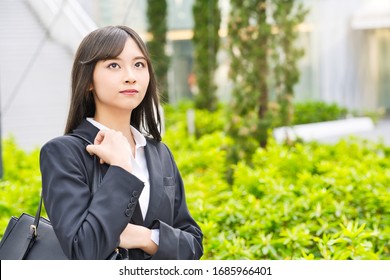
{"points": [[87, 227], [138, 237]]}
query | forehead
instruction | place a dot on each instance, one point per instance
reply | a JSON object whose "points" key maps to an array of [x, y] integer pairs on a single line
{"points": [[131, 50]]}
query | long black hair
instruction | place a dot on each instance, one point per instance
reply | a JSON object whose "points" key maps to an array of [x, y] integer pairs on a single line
{"points": [[104, 43]]}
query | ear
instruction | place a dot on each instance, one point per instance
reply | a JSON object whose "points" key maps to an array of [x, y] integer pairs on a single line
{"points": [[90, 87]]}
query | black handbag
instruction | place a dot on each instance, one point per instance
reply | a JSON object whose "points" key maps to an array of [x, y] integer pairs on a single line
{"points": [[33, 238]]}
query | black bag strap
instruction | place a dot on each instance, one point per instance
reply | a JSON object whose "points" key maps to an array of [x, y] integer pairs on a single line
{"points": [[33, 233]]}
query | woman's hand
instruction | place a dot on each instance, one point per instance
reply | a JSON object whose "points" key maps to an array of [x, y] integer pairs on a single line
{"points": [[112, 148], [138, 237]]}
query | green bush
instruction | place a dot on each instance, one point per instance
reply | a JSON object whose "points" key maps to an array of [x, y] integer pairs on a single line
{"points": [[21, 184], [309, 201], [317, 111], [318, 201], [205, 122]]}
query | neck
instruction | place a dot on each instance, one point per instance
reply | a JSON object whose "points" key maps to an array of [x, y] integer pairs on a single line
{"points": [[115, 121]]}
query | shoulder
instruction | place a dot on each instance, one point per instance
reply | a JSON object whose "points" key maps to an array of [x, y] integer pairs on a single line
{"points": [[161, 147], [64, 145], [64, 141]]}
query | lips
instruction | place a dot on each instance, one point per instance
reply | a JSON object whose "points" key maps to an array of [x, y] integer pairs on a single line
{"points": [[129, 91]]}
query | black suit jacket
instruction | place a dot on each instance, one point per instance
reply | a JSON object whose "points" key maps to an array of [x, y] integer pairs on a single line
{"points": [[88, 227]]}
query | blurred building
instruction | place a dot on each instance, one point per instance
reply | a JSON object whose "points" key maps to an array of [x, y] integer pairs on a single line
{"points": [[347, 55], [347, 45]]}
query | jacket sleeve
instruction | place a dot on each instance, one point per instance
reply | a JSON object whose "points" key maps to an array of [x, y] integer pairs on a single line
{"points": [[181, 240], [88, 227]]}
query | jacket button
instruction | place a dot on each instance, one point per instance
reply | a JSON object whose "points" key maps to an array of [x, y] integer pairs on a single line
{"points": [[131, 206], [135, 193], [133, 200], [128, 212]]}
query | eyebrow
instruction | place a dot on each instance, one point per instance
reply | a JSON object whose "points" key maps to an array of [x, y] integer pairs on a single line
{"points": [[118, 58], [140, 57]]}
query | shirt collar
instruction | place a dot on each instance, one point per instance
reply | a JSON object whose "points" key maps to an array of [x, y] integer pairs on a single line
{"points": [[140, 140]]}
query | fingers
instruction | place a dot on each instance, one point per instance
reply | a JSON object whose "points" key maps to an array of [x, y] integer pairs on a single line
{"points": [[94, 150], [99, 137], [91, 149], [112, 147]]}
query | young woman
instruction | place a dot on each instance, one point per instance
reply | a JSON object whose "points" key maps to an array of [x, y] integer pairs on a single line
{"points": [[140, 205]]}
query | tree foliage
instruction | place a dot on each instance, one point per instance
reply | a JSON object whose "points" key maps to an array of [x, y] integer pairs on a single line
{"points": [[157, 19], [263, 56], [287, 15], [207, 18]]}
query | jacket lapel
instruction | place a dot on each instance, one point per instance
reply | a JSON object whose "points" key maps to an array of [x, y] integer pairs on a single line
{"points": [[153, 162], [87, 130]]}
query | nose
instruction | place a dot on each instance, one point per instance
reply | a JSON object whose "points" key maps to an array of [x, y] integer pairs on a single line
{"points": [[129, 76]]}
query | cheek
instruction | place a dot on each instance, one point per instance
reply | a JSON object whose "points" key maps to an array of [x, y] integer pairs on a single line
{"points": [[95, 79], [101, 81], [147, 79]]}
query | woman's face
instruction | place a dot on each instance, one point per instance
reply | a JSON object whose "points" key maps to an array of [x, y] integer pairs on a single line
{"points": [[120, 83]]}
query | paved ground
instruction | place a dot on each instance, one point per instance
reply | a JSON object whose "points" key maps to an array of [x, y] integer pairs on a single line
{"points": [[381, 132]]}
